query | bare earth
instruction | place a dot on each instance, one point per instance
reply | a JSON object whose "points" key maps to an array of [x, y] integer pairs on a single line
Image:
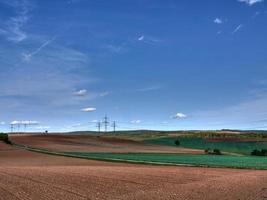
{"points": [[88, 143], [29, 175]]}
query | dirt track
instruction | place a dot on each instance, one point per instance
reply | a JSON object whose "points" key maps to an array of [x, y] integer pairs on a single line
{"points": [[81, 143], [28, 175]]}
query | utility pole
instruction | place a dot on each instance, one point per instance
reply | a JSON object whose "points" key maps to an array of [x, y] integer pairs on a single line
{"points": [[106, 123], [11, 128], [98, 125], [114, 126], [25, 126]]}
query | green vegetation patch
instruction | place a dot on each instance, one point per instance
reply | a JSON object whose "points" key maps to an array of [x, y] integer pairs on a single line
{"points": [[4, 138], [240, 147], [246, 162]]}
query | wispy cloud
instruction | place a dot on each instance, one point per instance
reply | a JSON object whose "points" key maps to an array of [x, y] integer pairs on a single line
{"points": [[247, 113], [115, 48], [148, 39], [138, 121], [256, 14], [42, 127], [141, 38], [28, 56], [103, 94], [89, 109], [151, 88], [45, 83], [237, 28], [80, 93], [218, 21], [73, 1], [250, 2], [13, 29]]}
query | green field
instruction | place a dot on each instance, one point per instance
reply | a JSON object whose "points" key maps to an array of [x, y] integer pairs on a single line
{"points": [[239, 147], [246, 162]]}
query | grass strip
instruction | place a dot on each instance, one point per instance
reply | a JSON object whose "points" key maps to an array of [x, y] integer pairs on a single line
{"points": [[223, 161]]}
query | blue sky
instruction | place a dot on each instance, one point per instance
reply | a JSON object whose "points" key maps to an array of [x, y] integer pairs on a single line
{"points": [[148, 64]]}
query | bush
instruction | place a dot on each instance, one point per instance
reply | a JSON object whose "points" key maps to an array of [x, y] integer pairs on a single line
{"points": [[264, 152], [4, 138], [177, 142], [217, 152], [257, 152], [213, 152], [208, 151]]}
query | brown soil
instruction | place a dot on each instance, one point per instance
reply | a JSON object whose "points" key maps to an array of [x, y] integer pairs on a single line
{"points": [[88, 143], [29, 175]]}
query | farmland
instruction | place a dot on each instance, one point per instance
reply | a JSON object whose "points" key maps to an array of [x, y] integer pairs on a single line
{"points": [[159, 150], [136, 169], [234, 146], [246, 162]]}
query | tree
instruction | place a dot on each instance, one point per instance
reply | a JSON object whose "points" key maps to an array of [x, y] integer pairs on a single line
{"points": [[217, 152], [4, 138], [177, 142]]}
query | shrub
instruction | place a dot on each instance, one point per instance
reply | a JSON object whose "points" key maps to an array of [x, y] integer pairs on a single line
{"points": [[257, 152], [208, 151], [217, 152], [213, 152], [264, 152], [4, 138], [177, 142]]}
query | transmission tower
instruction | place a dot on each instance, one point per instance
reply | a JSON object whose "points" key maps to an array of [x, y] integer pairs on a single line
{"points": [[114, 125], [98, 125], [11, 128], [105, 122]]}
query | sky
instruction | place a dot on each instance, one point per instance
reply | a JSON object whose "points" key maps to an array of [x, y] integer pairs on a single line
{"points": [[146, 64]]}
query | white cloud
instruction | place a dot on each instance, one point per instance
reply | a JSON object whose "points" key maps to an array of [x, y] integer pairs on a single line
{"points": [[179, 116], [148, 39], [251, 2], [80, 93], [218, 21], [237, 28], [136, 121], [142, 37], [2, 123], [24, 123], [89, 109], [42, 127]]}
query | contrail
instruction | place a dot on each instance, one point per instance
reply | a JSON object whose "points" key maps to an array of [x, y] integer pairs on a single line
{"points": [[30, 55]]}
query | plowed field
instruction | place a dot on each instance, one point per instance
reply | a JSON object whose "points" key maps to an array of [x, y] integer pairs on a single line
{"points": [[29, 175]]}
